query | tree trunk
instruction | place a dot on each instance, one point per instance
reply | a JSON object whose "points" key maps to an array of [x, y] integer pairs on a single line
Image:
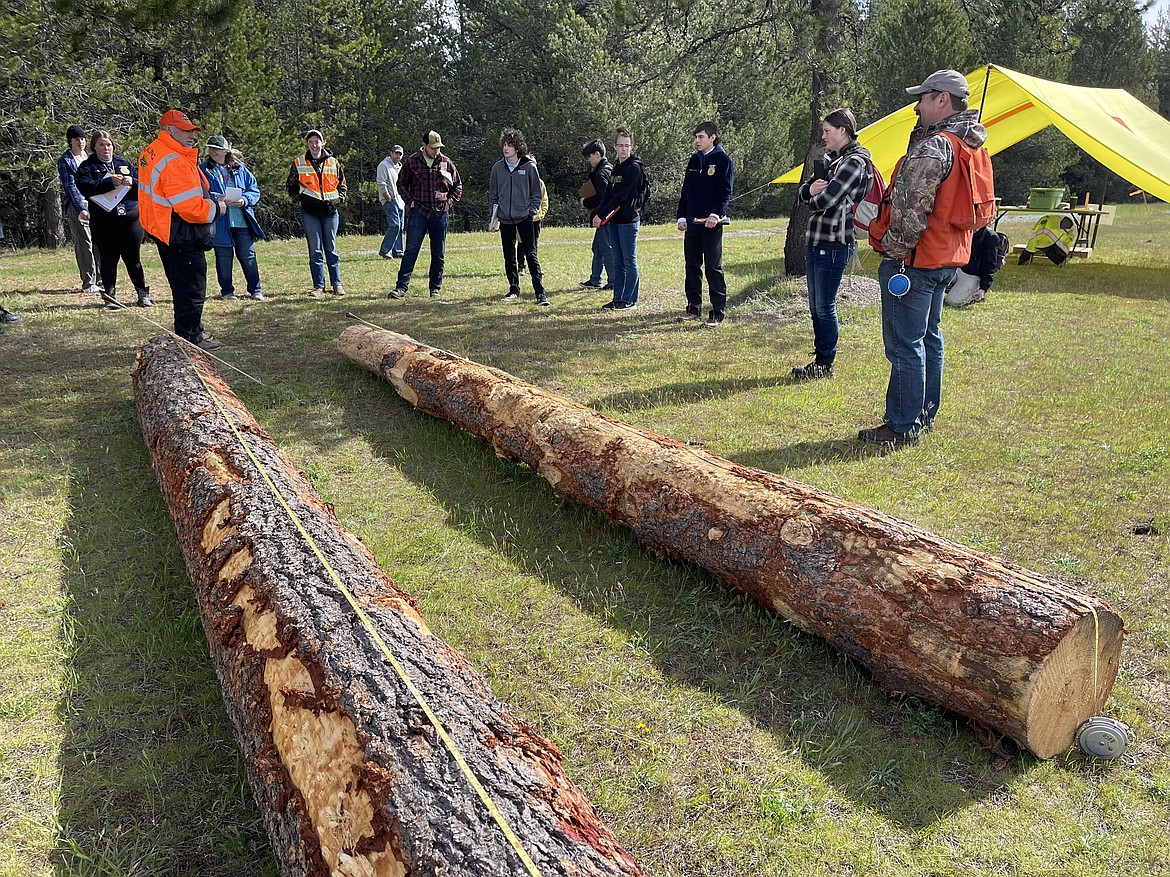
{"points": [[1007, 647], [349, 711]]}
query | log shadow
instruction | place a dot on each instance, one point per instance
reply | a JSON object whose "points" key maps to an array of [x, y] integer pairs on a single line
{"points": [[150, 777], [913, 762]]}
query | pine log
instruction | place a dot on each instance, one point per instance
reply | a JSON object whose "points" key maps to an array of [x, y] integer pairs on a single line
{"points": [[351, 776], [1009, 648]]}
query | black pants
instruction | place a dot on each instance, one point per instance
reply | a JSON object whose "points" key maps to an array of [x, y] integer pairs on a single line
{"points": [[186, 271], [118, 237], [702, 244], [536, 224], [508, 234]]}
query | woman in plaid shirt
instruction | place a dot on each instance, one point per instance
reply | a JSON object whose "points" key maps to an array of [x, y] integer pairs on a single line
{"points": [[830, 196]]}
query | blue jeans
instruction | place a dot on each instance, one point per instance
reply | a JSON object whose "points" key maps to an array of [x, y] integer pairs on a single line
{"points": [[602, 255], [418, 227], [824, 267], [912, 335], [392, 242], [626, 281], [244, 246], [321, 233]]}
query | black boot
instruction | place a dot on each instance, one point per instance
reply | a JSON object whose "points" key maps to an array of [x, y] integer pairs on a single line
{"points": [[110, 297], [144, 297]]}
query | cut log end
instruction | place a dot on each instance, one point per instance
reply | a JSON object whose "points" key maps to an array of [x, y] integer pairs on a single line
{"points": [[1073, 683]]}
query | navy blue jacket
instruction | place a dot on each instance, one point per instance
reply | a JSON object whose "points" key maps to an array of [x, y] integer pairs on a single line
{"points": [[707, 185], [93, 179], [67, 172]]}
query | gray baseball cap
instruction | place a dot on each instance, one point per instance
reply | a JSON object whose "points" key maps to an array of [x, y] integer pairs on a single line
{"points": [[950, 81]]}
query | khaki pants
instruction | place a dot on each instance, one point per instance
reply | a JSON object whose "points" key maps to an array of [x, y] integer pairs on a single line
{"points": [[83, 248]]}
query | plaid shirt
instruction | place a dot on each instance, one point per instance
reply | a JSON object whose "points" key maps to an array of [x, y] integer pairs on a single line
{"points": [[831, 217], [430, 190]]}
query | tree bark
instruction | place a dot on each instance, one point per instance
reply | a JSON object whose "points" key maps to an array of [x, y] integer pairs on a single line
{"points": [[1007, 647], [350, 771]]}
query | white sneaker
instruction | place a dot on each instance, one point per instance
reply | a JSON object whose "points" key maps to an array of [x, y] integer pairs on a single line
{"points": [[92, 289]]}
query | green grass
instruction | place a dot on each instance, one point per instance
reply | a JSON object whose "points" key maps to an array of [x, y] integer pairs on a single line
{"points": [[714, 738]]}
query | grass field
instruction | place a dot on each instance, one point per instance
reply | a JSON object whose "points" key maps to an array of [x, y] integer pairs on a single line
{"points": [[714, 738]]}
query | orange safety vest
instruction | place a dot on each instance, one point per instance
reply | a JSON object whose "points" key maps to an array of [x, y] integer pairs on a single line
{"points": [[170, 182], [960, 206], [321, 186]]}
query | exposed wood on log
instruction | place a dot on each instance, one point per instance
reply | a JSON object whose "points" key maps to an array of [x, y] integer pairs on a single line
{"points": [[350, 775], [995, 642]]}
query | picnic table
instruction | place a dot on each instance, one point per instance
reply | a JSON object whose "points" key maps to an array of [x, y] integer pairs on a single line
{"points": [[1086, 216]]}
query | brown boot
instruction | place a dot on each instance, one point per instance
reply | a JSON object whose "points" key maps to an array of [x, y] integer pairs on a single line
{"points": [[338, 291]]}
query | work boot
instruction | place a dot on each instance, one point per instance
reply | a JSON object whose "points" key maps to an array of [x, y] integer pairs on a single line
{"points": [[338, 291], [144, 297]]}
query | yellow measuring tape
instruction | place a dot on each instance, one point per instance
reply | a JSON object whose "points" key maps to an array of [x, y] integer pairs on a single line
{"points": [[472, 779]]}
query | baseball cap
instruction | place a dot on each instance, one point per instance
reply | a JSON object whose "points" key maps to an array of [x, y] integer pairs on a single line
{"points": [[949, 81], [433, 140], [313, 132], [218, 141], [397, 148], [177, 119]]}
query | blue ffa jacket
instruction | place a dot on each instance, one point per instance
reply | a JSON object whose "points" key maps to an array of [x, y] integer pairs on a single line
{"points": [[707, 185], [242, 179]]}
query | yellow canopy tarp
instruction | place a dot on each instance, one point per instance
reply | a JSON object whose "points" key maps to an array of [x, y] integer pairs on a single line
{"points": [[1108, 123]]}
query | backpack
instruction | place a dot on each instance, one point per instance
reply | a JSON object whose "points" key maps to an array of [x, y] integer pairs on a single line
{"points": [[865, 211], [1002, 248], [645, 193]]}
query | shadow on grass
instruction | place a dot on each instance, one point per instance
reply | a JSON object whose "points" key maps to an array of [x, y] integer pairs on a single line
{"points": [[912, 762], [151, 781]]}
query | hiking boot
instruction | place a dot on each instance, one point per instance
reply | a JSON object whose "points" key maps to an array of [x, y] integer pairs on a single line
{"points": [[885, 435], [814, 371], [398, 292], [338, 290], [144, 297], [229, 296], [714, 321], [436, 292], [689, 314], [256, 296], [208, 343], [6, 316], [511, 296], [317, 292], [111, 299], [591, 284], [542, 300]]}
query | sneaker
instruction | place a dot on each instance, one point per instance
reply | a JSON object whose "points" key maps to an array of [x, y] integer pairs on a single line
{"points": [[6, 316], [609, 306], [689, 315], [624, 305], [398, 292], [814, 371], [542, 300], [229, 296], [338, 290], [318, 291], [591, 284], [511, 296], [92, 289], [209, 343], [435, 293], [608, 286], [713, 322], [385, 256], [885, 435], [256, 296]]}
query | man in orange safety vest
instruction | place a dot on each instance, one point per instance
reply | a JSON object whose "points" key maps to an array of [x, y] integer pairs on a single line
{"points": [[176, 209]]}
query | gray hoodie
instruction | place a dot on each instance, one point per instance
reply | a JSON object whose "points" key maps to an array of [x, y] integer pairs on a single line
{"points": [[517, 192]]}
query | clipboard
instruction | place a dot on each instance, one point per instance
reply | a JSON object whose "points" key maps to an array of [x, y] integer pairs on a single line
{"points": [[587, 190]]}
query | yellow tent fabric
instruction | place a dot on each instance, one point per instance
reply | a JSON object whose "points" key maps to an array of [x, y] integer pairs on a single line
{"points": [[1108, 123]]}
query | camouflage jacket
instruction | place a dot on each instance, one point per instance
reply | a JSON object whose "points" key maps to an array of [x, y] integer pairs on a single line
{"points": [[928, 162]]}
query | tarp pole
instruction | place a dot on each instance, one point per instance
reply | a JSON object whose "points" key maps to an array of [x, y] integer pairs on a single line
{"points": [[983, 100]]}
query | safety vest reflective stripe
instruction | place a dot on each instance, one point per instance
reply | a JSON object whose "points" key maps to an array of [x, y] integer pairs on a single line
{"points": [[322, 186]]}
